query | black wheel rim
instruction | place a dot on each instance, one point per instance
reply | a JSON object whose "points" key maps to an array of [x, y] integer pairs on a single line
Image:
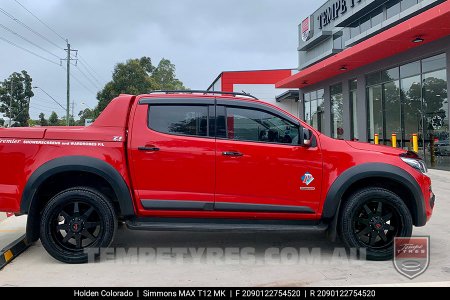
{"points": [[76, 225], [376, 223]]}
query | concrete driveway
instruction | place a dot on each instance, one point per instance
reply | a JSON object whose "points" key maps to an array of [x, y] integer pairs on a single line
{"points": [[233, 259]]}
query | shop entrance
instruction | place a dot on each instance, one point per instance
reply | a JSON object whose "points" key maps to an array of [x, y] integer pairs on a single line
{"points": [[412, 99]]}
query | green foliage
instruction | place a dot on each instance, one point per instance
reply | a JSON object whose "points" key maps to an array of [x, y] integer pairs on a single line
{"points": [[138, 76], [15, 94], [53, 120], [84, 114], [42, 120], [2, 122]]}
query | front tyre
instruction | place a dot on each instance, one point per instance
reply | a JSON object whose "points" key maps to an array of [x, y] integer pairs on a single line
{"points": [[74, 220], [371, 219]]}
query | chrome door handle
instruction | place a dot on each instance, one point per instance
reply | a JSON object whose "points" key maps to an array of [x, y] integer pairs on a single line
{"points": [[232, 153]]}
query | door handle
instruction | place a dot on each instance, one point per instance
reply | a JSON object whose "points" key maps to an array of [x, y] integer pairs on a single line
{"points": [[148, 148], [232, 153]]}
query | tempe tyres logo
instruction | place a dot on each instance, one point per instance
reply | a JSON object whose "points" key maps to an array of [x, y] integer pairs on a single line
{"points": [[411, 255]]}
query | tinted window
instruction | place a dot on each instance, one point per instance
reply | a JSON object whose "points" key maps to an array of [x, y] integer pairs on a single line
{"points": [[433, 63], [392, 9], [410, 69], [377, 16], [408, 3], [254, 125], [179, 119]]}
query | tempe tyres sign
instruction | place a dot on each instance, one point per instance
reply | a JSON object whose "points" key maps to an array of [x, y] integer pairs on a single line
{"points": [[334, 10]]}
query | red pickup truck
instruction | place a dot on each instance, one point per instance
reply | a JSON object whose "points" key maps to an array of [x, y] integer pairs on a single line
{"points": [[206, 161]]}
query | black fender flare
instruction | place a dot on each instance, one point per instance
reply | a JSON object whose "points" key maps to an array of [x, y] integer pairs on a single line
{"points": [[399, 176], [72, 163], [82, 164]]}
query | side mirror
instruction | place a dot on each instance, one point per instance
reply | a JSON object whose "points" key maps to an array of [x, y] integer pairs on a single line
{"points": [[307, 136]]}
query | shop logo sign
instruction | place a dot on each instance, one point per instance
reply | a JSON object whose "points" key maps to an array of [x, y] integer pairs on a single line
{"points": [[306, 29], [411, 255]]}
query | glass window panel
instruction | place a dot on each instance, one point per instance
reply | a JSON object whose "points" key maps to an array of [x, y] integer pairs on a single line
{"points": [[392, 109], [390, 75], [436, 110], [307, 97], [407, 4], [365, 24], [320, 93], [392, 9], [308, 112], [354, 112], [258, 126], [373, 78], [184, 120], [337, 109], [354, 30], [375, 111], [377, 16], [314, 121], [411, 98], [434, 63], [410, 69]]}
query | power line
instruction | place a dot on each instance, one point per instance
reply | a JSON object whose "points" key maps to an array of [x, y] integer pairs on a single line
{"points": [[44, 101], [79, 81], [88, 65], [89, 72], [28, 27], [87, 78], [48, 107], [50, 96], [27, 40], [29, 51], [42, 22]]}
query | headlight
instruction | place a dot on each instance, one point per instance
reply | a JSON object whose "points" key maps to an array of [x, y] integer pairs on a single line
{"points": [[417, 164]]}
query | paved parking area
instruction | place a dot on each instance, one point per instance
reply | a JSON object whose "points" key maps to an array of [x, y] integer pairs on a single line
{"points": [[133, 264]]}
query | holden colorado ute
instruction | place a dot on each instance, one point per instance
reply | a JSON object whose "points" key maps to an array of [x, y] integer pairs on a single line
{"points": [[206, 161]]}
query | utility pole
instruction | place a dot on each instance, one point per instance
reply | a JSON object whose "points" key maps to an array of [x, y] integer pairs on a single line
{"points": [[68, 59], [10, 103], [73, 108]]}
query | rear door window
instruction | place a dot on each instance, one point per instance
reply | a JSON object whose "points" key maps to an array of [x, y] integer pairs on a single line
{"points": [[190, 120]]}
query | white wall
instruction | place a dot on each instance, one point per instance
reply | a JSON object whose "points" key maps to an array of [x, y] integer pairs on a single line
{"points": [[268, 93]]}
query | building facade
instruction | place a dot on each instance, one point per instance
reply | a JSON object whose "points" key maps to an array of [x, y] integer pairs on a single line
{"points": [[380, 67]]}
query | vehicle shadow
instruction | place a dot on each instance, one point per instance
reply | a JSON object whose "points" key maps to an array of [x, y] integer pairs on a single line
{"points": [[260, 241]]}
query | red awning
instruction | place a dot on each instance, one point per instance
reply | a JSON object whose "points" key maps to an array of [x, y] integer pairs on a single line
{"points": [[429, 26]]}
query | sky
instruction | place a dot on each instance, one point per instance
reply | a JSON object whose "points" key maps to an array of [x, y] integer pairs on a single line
{"points": [[202, 38]]}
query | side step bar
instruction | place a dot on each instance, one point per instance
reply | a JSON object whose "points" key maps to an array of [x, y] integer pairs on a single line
{"points": [[172, 224]]}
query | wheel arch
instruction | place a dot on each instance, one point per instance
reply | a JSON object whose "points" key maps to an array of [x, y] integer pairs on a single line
{"points": [[382, 175], [91, 168]]}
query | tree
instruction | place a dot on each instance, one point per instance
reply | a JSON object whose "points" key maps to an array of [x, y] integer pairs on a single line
{"points": [[84, 114], [62, 121], [15, 94], [42, 120], [138, 76], [53, 120], [2, 122], [165, 78]]}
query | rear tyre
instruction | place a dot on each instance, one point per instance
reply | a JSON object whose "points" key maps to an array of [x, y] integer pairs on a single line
{"points": [[371, 218], [75, 220]]}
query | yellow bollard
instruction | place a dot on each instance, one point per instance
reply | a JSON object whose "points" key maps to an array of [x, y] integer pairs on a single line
{"points": [[394, 140], [377, 139], [415, 141]]}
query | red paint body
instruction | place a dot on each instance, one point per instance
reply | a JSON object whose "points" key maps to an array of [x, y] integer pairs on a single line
{"points": [[190, 168]]}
